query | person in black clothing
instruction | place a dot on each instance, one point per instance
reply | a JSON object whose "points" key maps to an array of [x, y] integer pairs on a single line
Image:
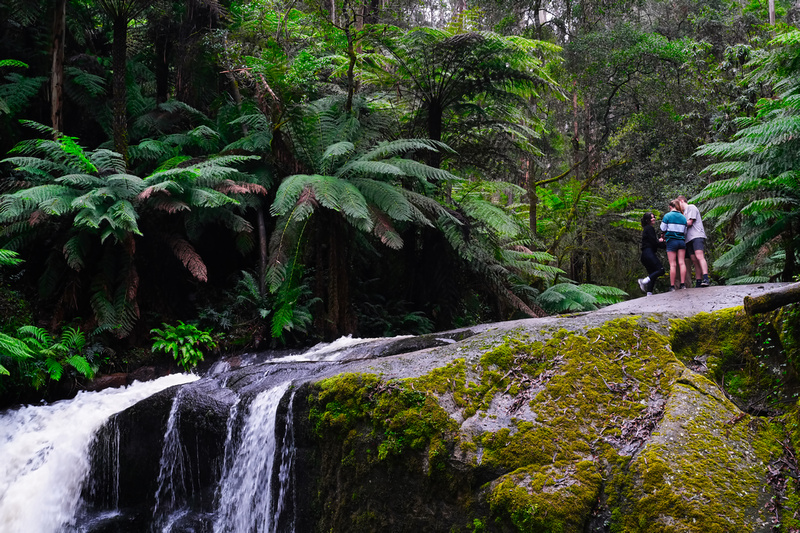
{"points": [[650, 244]]}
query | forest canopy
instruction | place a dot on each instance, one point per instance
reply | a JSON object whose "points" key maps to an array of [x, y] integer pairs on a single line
{"points": [[285, 172]]}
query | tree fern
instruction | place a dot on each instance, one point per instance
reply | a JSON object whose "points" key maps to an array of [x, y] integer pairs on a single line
{"points": [[18, 89], [759, 193]]}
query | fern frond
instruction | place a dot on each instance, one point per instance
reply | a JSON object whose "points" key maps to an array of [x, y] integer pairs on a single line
{"points": [[81, 365], [9, 258], [288, 193], [490, 215], [385, 231], [385, 197], [188, 256]]}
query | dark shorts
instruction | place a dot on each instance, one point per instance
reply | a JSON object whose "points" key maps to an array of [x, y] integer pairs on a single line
{"points": [[673, 245], [698, 244]]}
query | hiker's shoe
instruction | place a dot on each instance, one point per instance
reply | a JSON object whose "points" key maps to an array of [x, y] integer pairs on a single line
{"points": [[672, 288], [683, 285], [642, 284], [649, 294], [698, 283], [705, 282]]}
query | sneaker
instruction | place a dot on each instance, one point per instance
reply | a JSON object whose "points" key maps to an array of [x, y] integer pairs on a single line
{"points": [[642, 285], [672, 288], [705, 282], [683, 285], [649, 294], [698, 284]]}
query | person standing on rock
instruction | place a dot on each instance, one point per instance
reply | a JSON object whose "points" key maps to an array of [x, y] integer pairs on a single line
{"points": [[695, 244], [650, 245], [673, 224]]}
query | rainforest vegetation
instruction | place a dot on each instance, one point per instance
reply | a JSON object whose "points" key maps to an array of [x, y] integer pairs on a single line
{"points": [[188, 175]]}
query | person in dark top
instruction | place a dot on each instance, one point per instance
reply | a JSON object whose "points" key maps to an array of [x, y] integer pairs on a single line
{"points": [[650, 244]]}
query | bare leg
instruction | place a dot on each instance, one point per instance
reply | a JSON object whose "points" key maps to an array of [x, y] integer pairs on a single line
{"points": [[700, 264], [682, 263], [688, 274], [673, 267]]}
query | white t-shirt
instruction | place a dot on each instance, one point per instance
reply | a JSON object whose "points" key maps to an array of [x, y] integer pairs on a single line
{"points": [[696, 230]]}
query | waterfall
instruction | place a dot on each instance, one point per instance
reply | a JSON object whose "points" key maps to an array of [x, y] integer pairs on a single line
{"points": [[45, 454], [247, 495], [172, 476], [286, 472]]}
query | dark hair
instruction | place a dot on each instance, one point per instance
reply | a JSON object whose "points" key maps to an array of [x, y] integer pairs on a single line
{"points": [[676, 204], [646, 219]]}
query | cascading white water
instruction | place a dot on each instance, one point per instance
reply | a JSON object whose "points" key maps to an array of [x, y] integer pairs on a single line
{"points": [[245, 500], [287, 453], [172, 470], [44, 451]]}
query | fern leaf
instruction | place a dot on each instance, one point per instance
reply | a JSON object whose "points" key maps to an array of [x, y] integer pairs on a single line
{"points": [[383, 229], [187, 255], [288, 193], [79, 363], [54, 369]]}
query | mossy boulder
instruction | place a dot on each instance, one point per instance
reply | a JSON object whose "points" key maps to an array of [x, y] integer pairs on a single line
{"points": [[601, 428]]}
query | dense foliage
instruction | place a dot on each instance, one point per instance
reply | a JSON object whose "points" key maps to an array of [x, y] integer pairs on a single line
{"points": [[292, 171]]}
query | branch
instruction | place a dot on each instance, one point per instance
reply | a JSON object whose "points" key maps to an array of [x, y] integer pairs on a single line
{"points": [[574, 209], [562, 175]]}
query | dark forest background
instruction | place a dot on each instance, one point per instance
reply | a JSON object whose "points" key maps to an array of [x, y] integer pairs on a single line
{"points": [[247, 174]]}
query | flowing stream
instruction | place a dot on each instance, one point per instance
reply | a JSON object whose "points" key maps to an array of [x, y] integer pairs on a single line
{"points": [[45, 454], [246, 489]]}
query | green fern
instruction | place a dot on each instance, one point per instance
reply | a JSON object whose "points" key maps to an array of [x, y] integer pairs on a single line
{"points": [[18, 89], [185, 342], [49, 357]]}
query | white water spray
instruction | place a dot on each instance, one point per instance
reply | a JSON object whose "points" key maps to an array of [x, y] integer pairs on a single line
{"points": [[172, 470], [245, 502], [45, 454]]}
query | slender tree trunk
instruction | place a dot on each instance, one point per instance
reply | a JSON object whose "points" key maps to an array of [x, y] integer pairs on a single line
{"points": [[57, 73], [163, 45], [351, 77], [772, 12], [532, 197], [118, 59], [789, 266], [435, 114]]}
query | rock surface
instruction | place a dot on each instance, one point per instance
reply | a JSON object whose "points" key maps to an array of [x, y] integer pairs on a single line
{"points": [[587, 422]]}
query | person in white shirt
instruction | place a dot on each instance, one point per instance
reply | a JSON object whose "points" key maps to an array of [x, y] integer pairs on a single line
{"points": [[695, 244]]}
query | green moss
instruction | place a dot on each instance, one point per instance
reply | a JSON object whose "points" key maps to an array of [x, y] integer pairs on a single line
{"points": [[747, 355], [584, 401], [398, 418], [547, 500]]}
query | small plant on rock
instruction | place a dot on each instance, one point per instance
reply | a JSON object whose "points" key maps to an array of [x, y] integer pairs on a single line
{"points": [[184, 342]]}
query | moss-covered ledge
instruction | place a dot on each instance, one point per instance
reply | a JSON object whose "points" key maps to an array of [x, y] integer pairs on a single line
{"points": [[603, 429]]}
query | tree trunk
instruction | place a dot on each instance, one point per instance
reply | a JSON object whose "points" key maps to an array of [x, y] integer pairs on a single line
{"points": [[163, 45], [118, 58], [769, 301], [340, 320], [57, 73], [533, 198], [789, 262], [351, 78], [435, 114]]}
